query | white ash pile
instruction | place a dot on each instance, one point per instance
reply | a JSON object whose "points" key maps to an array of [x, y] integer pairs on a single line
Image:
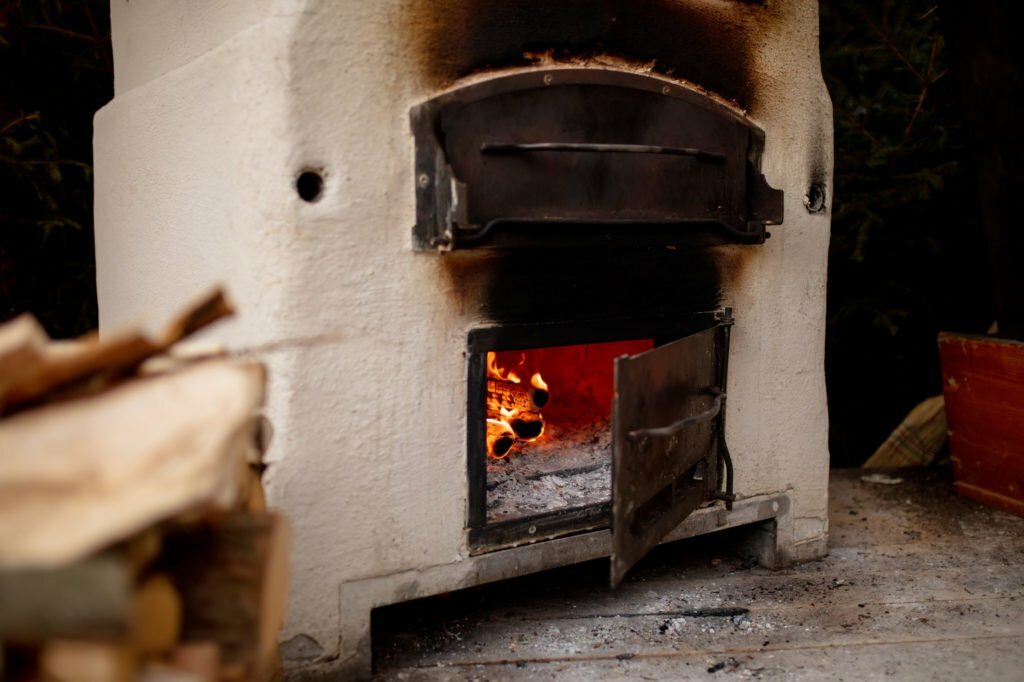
{"points": [[567, 469]]}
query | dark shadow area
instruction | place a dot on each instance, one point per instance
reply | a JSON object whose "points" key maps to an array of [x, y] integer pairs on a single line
{"points": [[907, 257], [56, 70], [407, 632]]}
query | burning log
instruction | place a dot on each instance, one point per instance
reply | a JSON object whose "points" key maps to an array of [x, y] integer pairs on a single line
{"points": [[500, 438], [527, 426], [515, 396]]}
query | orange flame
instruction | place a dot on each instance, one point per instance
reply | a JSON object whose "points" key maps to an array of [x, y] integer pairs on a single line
{"points": [[513, 414], [495, 372]]}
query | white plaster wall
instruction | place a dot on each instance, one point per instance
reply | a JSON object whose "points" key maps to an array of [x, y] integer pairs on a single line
{"points": [[153, 37], [778, 417], [221, 103]]}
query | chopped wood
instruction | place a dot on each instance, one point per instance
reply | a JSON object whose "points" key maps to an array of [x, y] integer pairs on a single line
{"points": [[134, 538], [514, 396], [82, 474], [256, 500], [200, 659], [22, 347], [232, 575], [500, 438], [86, 661], [527, 426], [88, 363], [87, 599], [156, 616], [141, 549], [156, 671]]}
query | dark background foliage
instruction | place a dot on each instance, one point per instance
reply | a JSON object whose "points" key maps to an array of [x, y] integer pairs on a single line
{"points": [[906, 260], [907, 257], [55, 71]]}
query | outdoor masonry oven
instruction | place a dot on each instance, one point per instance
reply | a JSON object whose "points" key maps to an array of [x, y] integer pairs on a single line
{"points": [[527, 313], [597, 396]]}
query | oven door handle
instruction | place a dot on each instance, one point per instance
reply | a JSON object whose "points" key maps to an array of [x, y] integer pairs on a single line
{"points": [[675, 427], [522, 148]]}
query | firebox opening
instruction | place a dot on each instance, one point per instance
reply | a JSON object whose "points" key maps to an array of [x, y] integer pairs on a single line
{"points": [[548, 427]]}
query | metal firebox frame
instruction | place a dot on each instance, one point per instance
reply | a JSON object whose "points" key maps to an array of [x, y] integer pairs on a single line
{"points": [[575, 156], [485, 537]]}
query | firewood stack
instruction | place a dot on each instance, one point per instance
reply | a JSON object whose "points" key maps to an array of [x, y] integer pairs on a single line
{"points": [[134, 541]]}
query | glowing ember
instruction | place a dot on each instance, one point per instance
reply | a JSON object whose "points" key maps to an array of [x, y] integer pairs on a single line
{"points": [[513, 408], [500, 438]]}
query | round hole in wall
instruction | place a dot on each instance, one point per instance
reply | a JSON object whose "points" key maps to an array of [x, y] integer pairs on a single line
{"points": [[310, 185], [814, 200]]}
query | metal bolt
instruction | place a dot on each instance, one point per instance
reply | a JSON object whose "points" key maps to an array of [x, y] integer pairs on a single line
{"points": [[532, 530], [423, 180], [548, 79], [665, 90]]}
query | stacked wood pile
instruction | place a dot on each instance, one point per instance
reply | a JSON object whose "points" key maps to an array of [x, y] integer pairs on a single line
{"points": [[134, 541]]}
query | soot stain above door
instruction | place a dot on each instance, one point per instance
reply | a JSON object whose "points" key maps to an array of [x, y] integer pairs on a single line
{"points": [[708, 45], [539, 285]]}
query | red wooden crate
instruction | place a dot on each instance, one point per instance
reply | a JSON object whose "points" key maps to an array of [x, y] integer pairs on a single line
{"points": [[983, 384]]}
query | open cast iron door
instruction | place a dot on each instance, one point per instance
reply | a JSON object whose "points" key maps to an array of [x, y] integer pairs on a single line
{"points": [[667, 420]]}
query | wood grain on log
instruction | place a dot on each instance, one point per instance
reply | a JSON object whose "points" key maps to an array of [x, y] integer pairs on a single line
{"points": [[91, 598], [232, 576], [86, 661], [513, 396], [82, 474], [199, 659], [88, 364], [156, 616]]}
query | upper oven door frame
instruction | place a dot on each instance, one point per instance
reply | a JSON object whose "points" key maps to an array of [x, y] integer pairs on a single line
{"points": [[586, 156]]}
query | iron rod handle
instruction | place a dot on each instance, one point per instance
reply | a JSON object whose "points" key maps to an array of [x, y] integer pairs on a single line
{"points": [[675, 427], [519, 148]]}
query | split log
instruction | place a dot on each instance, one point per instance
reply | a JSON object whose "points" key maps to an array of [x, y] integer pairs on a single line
{"points": [[86, 661], [88, 364], [23, 345], [232, 575], [513, 396], [199, 659], [90, 599], [528, 426], [500, 438], [156, 616], [80, 475]]}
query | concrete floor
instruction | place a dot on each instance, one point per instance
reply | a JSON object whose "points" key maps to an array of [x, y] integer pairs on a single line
{"points": [[919, 585]]}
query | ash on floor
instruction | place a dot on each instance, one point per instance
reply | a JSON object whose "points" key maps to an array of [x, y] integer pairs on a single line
{"points": [[567, 468], [919, 584]]}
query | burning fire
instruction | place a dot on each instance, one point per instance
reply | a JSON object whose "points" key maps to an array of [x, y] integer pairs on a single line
{"points": [[513, 408]]}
